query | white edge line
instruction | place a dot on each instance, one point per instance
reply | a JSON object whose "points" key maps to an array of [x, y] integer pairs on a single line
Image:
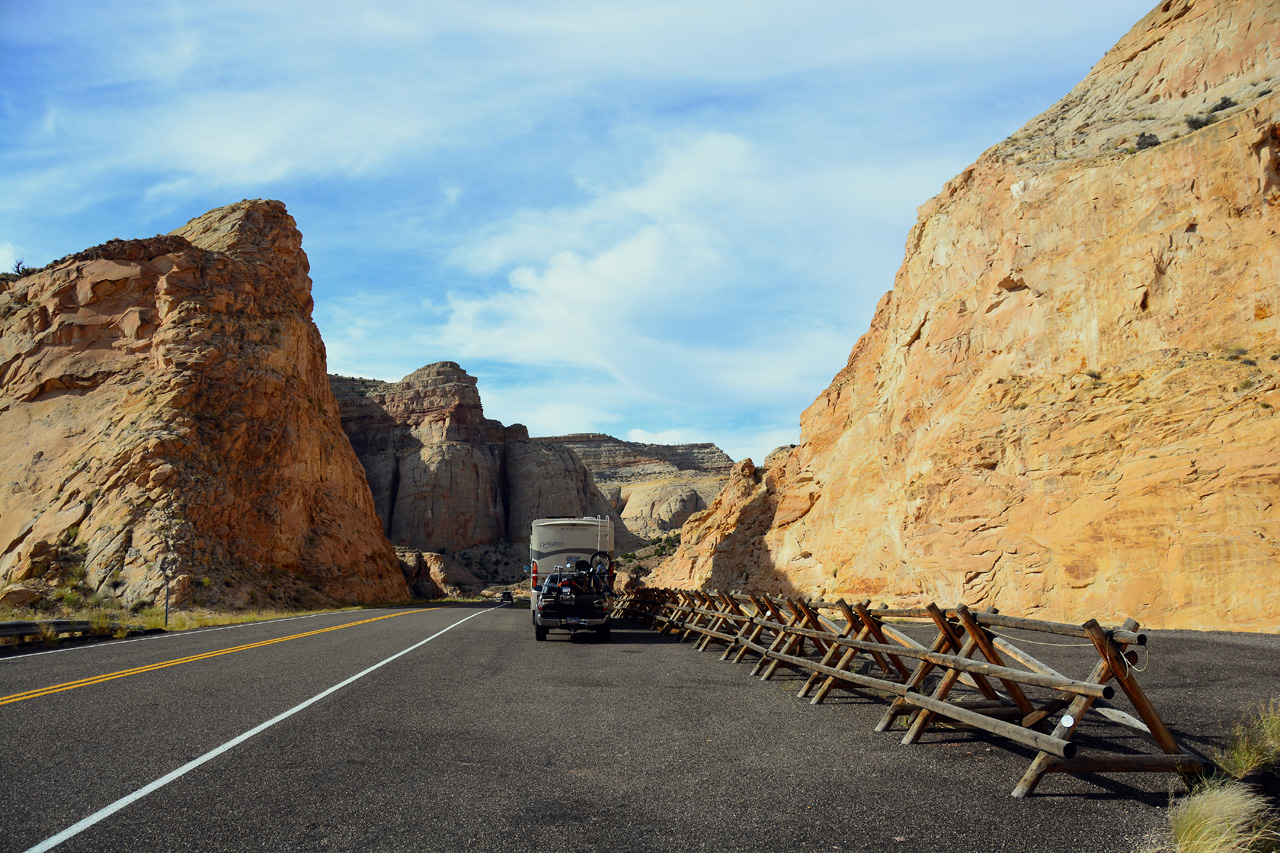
{"points": [[104, 813]]}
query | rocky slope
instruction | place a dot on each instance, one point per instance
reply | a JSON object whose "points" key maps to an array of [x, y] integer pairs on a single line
{"points": [[654, 487], [166, 412], [1067, 405], [444, 477]]}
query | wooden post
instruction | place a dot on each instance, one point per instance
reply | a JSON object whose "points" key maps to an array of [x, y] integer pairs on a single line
{"points": [[945, 641], [743, 626], [778, 637], [1042, 762], [983, 641], [794, 642], [832, 651], [691, 618], [852, 623], [940, 692], [1101, 707], [756, 632], [710, 603], [874, 627], [814, 622], [1120, 668]]}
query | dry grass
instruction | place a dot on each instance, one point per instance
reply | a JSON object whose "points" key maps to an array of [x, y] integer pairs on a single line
{"points": [[1221, 817], [1254, 743]]}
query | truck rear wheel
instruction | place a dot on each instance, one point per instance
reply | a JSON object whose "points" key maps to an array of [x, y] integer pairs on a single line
{"points": [[603, 634], [539, 633]]}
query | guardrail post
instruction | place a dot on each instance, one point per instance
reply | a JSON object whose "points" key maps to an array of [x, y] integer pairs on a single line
{"points": [[983, 641], [852, 623], [949, 680], [1041, 763], [833, 649], [945, 641]]}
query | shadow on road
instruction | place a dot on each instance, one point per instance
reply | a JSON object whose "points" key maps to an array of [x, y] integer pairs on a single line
{"points": [[619, 635]]}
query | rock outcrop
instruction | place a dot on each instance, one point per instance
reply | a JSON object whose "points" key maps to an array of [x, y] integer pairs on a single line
{"points": [[444, 477], [167, 418], [654, 487], [466, 572], [1067, 405]]}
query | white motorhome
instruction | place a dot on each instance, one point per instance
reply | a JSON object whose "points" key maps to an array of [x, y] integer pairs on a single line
{"points": [[571, 574]]}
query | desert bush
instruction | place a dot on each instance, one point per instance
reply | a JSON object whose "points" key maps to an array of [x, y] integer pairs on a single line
{"points": [[1254, 743], [1147, 140], [1221, 814], [1225, 103]]}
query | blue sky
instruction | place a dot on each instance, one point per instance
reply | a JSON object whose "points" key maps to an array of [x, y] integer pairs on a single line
{"points": [[667, 221]]}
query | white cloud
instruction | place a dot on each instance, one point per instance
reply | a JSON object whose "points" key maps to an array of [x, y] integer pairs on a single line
{"points": [[666, 436], [248, 94]]}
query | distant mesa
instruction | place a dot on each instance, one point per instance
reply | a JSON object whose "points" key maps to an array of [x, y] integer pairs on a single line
{"points": [[655, 488]]}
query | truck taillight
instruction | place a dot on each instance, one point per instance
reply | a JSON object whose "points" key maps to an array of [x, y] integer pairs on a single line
{"points": [[533, 577]]}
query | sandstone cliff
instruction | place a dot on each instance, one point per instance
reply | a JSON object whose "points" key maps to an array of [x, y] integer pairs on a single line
{"points": [[1067, 405], [165, 411], [654, 487], [444, 477]]}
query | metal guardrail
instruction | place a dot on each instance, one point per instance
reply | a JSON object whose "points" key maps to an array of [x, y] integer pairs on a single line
{"points": [[43, 629], [57, 627], [969, 675]]}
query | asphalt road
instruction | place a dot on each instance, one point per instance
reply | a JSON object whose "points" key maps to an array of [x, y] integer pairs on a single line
{"points": [[479, 738]]}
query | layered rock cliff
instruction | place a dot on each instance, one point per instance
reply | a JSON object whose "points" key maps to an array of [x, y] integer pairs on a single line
{"points": [[445, 478], [1068, 403], [167, 419], [654, 487]]}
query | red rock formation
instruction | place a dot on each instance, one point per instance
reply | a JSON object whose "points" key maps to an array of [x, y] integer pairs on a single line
{"points": [[444, 477], [165, 410], [1068, 403]]}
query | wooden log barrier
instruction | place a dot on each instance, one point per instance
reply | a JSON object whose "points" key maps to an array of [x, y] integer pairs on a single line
{"points": [[975, 672]]}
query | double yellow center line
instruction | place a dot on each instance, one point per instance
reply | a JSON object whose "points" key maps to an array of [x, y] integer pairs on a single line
{"points": [[99, 679]]}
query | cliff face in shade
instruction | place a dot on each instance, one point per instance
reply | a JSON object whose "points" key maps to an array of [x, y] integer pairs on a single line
{"points": [[444, 477], [654, 487], [1067, 406], [165, 409]]}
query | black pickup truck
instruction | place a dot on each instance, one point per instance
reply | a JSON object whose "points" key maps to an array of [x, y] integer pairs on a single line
{"points": [[577, 598]]}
